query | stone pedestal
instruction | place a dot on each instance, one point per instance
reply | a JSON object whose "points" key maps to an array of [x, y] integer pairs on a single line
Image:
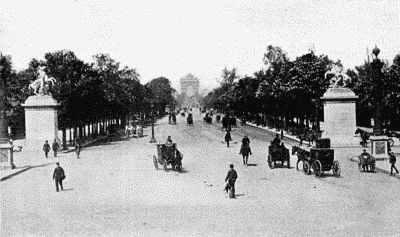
{"points": [[340, 117], [40, 121], [6, 156], [379, 147]]}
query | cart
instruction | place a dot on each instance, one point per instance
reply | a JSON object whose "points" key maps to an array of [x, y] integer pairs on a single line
{"points": [[168, 154]]}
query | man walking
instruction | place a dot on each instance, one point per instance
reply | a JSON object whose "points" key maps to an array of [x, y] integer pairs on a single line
{"points": [[78, 148], [228, 137], [55, 147], [230, 180], [46, 148], [392, 161], [58, 176]]}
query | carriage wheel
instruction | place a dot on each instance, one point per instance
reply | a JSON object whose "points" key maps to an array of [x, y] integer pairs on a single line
{"points": [[336, 168], [360, 164], [155, 162], [269, 161], [306, 168], [317, 167]]}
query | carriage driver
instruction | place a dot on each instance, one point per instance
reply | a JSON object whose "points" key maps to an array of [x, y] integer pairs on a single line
{"points": [[276, 140], [168, 142]]}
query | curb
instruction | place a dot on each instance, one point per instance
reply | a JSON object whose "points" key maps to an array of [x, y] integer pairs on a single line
{"points": [[269, 130], [378, 169], [14, 174]]}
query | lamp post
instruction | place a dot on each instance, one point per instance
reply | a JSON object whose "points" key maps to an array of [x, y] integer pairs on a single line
{"points": [[152, 140]]}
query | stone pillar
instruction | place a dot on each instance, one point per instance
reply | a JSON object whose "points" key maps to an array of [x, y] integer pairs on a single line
{"points": [[379, 147], [40, 121], [340, 117]]}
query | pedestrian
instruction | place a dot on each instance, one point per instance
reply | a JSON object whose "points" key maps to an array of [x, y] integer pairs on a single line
{"points": [[230, 180], [55, 147], [46, 148], [392, 161], [228, 137], [58, 176], [78, 148]]}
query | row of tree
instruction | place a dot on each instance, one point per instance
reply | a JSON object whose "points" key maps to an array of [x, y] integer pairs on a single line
{"points": [[286, 94], [88, 93]]}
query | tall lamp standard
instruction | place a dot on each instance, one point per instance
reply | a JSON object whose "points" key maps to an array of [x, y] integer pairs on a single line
{"points": [[152, 140]]}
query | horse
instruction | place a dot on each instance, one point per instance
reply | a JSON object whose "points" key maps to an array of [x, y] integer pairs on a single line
{"points": [[302, 155], [364, 136], [245, 150]]}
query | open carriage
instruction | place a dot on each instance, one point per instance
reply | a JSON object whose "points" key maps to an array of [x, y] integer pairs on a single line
{"points": [[168, 155], [279, 153]]}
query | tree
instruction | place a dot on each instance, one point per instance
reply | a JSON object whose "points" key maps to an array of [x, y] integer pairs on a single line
{"points": [[161, 92]]}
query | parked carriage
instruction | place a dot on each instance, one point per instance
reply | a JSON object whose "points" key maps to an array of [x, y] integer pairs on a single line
{"points": [[168, 155], [276, 152]]}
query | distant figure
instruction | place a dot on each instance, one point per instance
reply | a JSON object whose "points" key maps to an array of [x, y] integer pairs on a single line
{"points": [[55, 147], [228, 137], [392, 161], [230, 180], [245, 149], [58, 176], [46, 148], [78, 149]]}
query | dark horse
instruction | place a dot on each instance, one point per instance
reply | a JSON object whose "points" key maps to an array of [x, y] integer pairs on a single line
{"points": [[302, 155], [364, 136]]}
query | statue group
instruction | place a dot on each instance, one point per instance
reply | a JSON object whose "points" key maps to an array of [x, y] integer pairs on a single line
{"points": [[43, 84], [338, 79]]}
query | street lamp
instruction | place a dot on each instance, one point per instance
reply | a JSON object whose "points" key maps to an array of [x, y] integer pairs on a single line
{"points": [[152, 140]]}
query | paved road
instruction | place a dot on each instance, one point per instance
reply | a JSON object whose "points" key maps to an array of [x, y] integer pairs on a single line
{"points": [[114, 190]]}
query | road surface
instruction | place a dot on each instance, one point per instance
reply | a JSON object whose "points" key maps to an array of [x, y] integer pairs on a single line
{"points": [[114, 190]]}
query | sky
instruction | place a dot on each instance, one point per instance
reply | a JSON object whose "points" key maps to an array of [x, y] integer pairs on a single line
{"points": [[202, 37]]}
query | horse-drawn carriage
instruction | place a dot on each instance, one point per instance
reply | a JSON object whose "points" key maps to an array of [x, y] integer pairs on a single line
{"points": [[228, 122], [134, 128], [168, 154], [366, 162], [319, 159], [207, 119], [276, 152]]}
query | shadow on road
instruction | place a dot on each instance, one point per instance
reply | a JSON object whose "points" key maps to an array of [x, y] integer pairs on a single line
{"points": [[251, 164], [68, 189]]}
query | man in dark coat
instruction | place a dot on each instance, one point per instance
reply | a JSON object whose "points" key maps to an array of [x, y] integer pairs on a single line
{"points": [[392, 161], [55, 147], [58, 176], [46, 148], [231, 179], [228, 137]]}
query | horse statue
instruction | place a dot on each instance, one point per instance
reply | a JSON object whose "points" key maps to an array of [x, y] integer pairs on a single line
{"points": [[43, 83], [338, 78]]}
